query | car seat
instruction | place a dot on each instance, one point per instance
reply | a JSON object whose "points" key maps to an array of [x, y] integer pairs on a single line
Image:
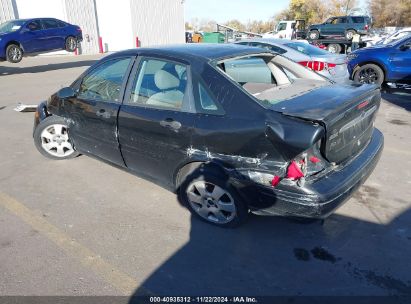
{"points": [[170, 95]]}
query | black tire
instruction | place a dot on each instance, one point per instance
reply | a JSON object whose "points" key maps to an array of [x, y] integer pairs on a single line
{"points": [[334, 48], [14, 53], [212, 177], [369, 73], [70, 44], [350, 34], [43, 137], [314, 34]]}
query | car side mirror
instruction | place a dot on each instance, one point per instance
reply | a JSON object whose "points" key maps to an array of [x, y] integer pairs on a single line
{"points": [[65, 93], [405, 46]]}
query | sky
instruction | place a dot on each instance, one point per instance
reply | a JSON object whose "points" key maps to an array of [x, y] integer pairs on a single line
{"points": [[243, 10], [224, 10]]}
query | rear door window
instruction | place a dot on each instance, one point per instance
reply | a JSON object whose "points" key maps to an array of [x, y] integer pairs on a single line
{"points": [[50, 24], [160, 84], [357, 19]]}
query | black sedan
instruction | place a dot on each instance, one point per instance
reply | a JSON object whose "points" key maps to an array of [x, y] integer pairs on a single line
{"points": [[230, 128]]}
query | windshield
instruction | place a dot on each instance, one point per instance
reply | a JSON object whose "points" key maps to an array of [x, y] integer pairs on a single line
{"points": [[281, 26], [396, 37], [306, 48], [11, 26]]}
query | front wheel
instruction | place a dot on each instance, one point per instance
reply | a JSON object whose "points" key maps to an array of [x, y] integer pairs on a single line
{"points": [[14, 53], [210, 197], [71, 44], [369, 73], [52, 140]]}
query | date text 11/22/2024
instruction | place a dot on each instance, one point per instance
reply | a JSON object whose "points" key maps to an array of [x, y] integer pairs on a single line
{"points": [[239, 299]]}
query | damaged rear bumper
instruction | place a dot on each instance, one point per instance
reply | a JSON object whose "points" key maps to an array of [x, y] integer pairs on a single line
{"points": [[321, 197]]}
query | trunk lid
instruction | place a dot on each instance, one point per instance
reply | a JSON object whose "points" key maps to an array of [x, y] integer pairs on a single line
{"points": [[346, 111]]}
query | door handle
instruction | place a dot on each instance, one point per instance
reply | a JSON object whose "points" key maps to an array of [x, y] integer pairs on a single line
{"points": [[170, 123], [103, 113]]}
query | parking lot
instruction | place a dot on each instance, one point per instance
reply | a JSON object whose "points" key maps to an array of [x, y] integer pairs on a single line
{"points": [[84, 227]]}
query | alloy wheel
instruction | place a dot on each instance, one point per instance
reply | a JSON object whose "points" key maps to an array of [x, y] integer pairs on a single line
{"points": [[15, 53], [368, 75], [211, 202], [71, 43], [55, 141]]}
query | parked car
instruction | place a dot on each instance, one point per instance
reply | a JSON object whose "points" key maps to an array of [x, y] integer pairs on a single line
{"points": [[345, 26], [25, 37], [382, 63], [181, 116], [397, 35], [332, 66]]}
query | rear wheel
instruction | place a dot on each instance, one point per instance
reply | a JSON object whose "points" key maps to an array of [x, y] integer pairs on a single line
{"points": [[334, 48], [52, 140], [314, 34], [14, 53], [71, 44], [349, 34], [210, 197], [369, 73]]}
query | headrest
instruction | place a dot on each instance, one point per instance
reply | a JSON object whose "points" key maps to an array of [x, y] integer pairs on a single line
{"points": [[165, 80]]}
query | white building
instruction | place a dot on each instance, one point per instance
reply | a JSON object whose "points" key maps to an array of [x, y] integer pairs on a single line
{"points": [[118, 23]]}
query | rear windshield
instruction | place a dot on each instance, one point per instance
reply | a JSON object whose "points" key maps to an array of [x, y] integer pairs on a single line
{"points": [[306, 48], [268, 79], [11, 26]]}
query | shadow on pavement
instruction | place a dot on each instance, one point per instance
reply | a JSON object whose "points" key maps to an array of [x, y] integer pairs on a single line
{"points": [[399, 98], [275, 256], [8, 70]]}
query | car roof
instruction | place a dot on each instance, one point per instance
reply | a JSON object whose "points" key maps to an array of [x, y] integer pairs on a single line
{"points": [[190, 51]]}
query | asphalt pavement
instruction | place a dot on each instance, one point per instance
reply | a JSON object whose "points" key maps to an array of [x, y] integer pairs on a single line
{"points": [[83, 227]]}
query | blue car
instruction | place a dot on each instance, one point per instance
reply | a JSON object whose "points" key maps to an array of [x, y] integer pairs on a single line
{"points": [[382, 63], [24, 37]]}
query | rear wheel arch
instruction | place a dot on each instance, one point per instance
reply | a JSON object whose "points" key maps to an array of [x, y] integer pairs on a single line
{"points": [[185, 170]]}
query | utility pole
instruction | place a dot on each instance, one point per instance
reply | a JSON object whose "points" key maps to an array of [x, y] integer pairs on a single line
{"points": [[346, 7]]}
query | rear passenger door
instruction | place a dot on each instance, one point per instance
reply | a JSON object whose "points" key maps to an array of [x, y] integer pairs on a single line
{"points": [[156, 119], [53, 35]]}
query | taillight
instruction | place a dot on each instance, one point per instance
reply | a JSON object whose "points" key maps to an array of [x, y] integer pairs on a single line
{"points": [[78, 29], [366, 27], [317, 65], [305, 165]]}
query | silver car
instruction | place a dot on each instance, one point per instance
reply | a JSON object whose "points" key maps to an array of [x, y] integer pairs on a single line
{"points": [[332, 66]]}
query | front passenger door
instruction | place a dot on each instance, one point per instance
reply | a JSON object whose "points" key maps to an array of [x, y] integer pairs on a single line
{"points": [[400, 61], [32, 37], [92, 113]]}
